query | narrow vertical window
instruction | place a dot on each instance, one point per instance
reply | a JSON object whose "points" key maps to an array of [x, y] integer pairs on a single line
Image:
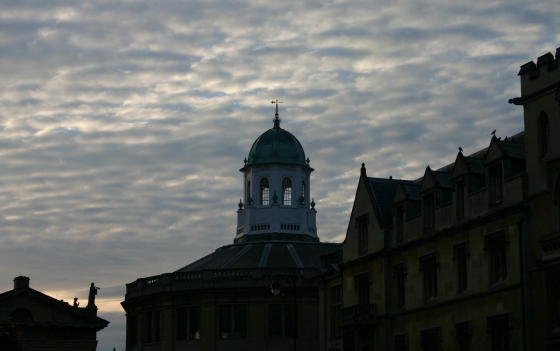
{"points": [[428, 265], [265, 192], [335, 311], [362, 227], [152, 327], [498, 328], [287, 192], [302, 196], [194, 323], [463, 335], [431, 340], [543, 135], [460, 200], [281, 320], [181, 324], [233, 321], [248, 192], [496, 247], [361, 283], [400, 223], [429, 213], [400, 275], [460, 255], [495, 184]]}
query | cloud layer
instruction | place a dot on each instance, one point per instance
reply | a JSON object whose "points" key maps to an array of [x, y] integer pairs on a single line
{"points": [[123, 123]]}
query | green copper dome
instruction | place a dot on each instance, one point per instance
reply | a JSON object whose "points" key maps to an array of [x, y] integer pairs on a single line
{"points": [[276, 145]]}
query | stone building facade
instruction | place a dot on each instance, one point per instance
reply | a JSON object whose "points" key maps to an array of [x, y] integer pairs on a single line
{"points": [[259, 293], [33, 321], [465, 257]]}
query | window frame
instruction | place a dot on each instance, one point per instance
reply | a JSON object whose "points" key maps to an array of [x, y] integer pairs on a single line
{"points": [[429, 267], [264, 194]]}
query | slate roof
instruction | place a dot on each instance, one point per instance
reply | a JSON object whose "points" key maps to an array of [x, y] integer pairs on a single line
{"points": [[383, 191], [264, 255]]}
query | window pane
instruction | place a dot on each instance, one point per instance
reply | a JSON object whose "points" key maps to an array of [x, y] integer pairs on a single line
{"points": [[275, 319], [181, 323], [225, 321], [194, 323], [240, 321]]}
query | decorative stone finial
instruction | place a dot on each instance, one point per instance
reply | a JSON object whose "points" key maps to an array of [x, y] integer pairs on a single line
{"points": [[313, 203], [460, 149], [240, 204], [245, 160], [363, 169], [307, 160]]}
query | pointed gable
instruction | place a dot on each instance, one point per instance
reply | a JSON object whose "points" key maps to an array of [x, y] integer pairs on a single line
{"points": [[428, 180], [495, 151], [382, 192]]}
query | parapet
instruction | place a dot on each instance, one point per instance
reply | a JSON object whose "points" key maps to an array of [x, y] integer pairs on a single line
{"points": [[541, 75]]}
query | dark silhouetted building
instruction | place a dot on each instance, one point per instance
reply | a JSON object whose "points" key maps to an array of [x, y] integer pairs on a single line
{"points": [[467, 257], [33, 321], [259, 293]]}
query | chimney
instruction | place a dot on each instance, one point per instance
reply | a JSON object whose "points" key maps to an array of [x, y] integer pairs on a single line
{"points": [[21, 282]]}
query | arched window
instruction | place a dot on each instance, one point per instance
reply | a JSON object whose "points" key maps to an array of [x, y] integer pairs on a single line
{"points": [[543, 134], [287, 192], [265, 192], [248, 192]]}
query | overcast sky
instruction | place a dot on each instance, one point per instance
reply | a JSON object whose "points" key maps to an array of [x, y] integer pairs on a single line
{"points": [[123, 124]]}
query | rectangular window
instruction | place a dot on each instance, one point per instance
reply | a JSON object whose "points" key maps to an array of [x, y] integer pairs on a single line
{"points": [[460, 200], [495, 184], [181, 324], [131, 328], [400, 285], [429, 214], [429, 267], [496, 247], [431, 340], [335, 311], [361, 282], [152, 327], [188, 323], [463, 335], [400, 223], [233, 321], [498, 328], [460, 255], [281, 320], [362, 226], [400, 343]]}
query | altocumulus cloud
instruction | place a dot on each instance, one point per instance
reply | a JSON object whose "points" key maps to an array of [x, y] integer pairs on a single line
{"points": [[123, 123]]}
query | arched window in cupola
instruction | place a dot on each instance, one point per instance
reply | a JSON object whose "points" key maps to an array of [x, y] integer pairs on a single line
{"points": [[302, 195], [287, 192], [265, 192], [543, 134], [248, 192]]}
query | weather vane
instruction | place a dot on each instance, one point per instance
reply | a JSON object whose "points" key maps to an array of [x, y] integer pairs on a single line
{"points": [[276, 116]]}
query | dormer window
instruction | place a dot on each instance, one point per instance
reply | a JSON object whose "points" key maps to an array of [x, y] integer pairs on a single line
{"points": [[543, 135], [287, 192], [495, 184], [362, 223], [265, 192]]}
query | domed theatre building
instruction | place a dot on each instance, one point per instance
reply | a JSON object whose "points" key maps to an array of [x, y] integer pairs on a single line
{"points": [[259, 293]]}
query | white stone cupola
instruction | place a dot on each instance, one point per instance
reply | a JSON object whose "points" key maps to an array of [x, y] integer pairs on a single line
{"points": [[276, 204]]}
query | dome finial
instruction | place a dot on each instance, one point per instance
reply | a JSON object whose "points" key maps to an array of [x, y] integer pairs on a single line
{"points": [[276, 116]]}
